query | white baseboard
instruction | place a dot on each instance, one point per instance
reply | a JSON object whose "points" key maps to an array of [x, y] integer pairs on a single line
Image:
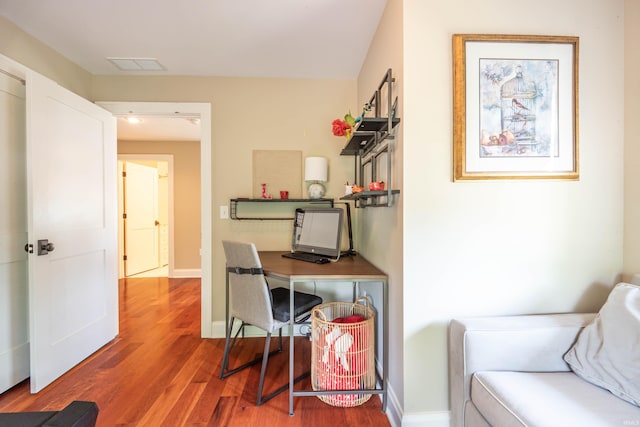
{"points": [[186, 273], [397, 418], [394, 411], [427, 419]]}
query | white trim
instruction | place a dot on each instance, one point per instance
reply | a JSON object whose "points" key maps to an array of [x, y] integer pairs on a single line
{"points": [[427, 419], [181, 109], [13, 68], [186, 273]]}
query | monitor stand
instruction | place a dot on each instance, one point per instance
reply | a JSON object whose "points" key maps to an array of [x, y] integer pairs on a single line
{"points": [[350, 251]]}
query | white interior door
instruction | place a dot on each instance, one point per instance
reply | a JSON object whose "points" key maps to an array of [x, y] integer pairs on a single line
{"points": [[72, 194], [141, 222], [14, 330], [163, 212]]}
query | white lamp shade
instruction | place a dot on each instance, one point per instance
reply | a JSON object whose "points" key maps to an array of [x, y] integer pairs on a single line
{"points": [[315, 169]]}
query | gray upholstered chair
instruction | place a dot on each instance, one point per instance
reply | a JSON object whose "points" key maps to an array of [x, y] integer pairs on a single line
{"points": [[252, 303]]}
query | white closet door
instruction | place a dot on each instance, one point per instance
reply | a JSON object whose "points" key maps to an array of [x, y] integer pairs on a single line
{"points": [[141, 223], [14, 331], [72, 204]]}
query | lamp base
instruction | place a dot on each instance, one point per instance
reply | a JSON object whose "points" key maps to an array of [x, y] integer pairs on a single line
{"points": [[316, 191]]}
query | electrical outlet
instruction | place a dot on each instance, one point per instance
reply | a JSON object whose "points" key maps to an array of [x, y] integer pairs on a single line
{"points": [[224, 212]]}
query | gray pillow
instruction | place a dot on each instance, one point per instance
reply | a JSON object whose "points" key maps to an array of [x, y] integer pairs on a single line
{"points": [[607, 351]]}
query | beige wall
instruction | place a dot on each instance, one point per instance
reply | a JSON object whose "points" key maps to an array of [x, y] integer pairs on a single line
{"points": [[186, 194], [250, 114], [631, 133], [505, 247], [34, 54]]}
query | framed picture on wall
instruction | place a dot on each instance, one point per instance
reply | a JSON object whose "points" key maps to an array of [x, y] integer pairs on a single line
{"points": [[515, 107]]}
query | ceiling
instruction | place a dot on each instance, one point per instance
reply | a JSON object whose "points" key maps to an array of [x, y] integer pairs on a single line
{"points": [[154, 128], [241, 38]]}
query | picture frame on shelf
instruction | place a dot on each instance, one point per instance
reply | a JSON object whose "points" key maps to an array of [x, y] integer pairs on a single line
{"points": [[515, 107]]}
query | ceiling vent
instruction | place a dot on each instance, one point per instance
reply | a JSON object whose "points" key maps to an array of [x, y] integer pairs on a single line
{"points": [[137, 64]]}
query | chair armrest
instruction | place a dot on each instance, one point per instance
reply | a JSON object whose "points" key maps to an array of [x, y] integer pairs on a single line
{"points": [[534, 343], [76, 414]]}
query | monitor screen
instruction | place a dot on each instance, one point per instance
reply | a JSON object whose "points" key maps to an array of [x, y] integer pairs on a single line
{"points": [[318, 231]]}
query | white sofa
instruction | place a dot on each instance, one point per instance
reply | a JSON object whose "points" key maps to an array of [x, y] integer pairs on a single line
{"points": [[510, 371]]}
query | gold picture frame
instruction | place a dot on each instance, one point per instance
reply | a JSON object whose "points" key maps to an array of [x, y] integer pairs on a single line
{"points": [[515, 107]]}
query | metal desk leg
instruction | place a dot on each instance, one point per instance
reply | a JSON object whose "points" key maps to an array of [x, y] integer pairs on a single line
{"points": [[385, 344], [226, 304], [291, 349]]}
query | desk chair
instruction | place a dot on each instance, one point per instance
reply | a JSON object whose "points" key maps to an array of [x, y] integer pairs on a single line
{"points": [[253, 303]]}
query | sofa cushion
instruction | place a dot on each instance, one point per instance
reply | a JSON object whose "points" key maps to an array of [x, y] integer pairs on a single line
{"points": [[607, 351], [507, 398]]}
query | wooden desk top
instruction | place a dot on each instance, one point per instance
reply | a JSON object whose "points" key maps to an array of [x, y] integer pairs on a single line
{"points": [[347, 268]]}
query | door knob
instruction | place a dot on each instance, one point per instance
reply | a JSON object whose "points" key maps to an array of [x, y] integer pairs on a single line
{"points": [[44, 247]]}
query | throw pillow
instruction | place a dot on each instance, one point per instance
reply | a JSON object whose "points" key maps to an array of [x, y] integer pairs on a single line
{"points": [[607, 351]]}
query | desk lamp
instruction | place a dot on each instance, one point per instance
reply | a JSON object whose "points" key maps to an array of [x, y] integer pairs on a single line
{"points": [[315, 171]]}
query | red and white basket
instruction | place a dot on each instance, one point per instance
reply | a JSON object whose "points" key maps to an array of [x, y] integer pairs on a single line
{"points": [[343, 351]]}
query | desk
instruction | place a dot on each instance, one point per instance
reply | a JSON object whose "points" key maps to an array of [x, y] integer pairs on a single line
{"points": [[354, 269]]}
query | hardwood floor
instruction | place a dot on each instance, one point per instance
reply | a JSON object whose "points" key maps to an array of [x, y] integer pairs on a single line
{"points": [[159, 372]]}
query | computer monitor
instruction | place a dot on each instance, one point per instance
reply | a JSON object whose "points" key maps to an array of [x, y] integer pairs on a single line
{"points": [[318, 231]]}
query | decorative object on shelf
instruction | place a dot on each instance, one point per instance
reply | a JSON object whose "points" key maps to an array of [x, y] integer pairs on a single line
{"points": [[284, 194], [515, 107], [265, 195], [344, 127], [376, 185], [315, 171], [348, 188]]}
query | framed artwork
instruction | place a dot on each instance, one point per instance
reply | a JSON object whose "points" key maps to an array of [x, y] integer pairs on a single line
{"points": [[515, 107]]}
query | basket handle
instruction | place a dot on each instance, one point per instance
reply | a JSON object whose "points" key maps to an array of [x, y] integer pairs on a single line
{"points": [[320, 313], [367, 301]]}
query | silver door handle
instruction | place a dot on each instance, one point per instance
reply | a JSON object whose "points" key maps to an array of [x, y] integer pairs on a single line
{"points": [[44, 247]]}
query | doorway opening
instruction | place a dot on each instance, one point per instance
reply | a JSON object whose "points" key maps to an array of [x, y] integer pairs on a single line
{"points": [[145, 213], [202, 112]]}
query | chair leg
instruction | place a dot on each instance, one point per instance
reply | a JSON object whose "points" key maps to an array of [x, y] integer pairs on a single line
{"points": [[227, 342], [230, 342], [265, 360]]}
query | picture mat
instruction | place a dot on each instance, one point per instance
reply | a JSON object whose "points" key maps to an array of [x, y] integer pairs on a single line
{"points": [[481, 50]]}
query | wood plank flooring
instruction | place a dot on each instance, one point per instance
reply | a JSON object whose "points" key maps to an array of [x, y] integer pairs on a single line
{"points": [[159, 372]]}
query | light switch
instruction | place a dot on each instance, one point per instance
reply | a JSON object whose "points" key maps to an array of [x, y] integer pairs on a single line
{"points": [[224, 212]]}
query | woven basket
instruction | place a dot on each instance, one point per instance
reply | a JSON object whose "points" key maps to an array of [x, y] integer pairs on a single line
{"points": [[342, 354]]}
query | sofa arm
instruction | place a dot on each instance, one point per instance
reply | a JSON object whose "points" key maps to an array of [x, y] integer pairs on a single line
{"points": [[534, 343]]}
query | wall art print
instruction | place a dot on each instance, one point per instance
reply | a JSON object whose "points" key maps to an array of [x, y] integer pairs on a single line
{"points": [[515, 107]]}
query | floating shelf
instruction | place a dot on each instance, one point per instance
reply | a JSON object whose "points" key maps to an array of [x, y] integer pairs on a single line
{"points": [[366, 134], [233, 210], [365, 199]]}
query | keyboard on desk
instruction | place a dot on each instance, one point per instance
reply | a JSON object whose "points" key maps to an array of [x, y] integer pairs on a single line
{"points": [[303, 256]]}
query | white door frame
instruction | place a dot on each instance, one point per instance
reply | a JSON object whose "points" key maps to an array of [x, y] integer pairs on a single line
{"points": [[188, 109], [157, 158]]}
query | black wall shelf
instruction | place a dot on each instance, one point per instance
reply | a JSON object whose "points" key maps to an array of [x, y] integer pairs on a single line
{"points": [[370, 142], [234, 207]]}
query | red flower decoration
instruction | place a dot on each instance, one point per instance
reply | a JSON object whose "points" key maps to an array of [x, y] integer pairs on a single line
{"points": [[341, 128]]}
